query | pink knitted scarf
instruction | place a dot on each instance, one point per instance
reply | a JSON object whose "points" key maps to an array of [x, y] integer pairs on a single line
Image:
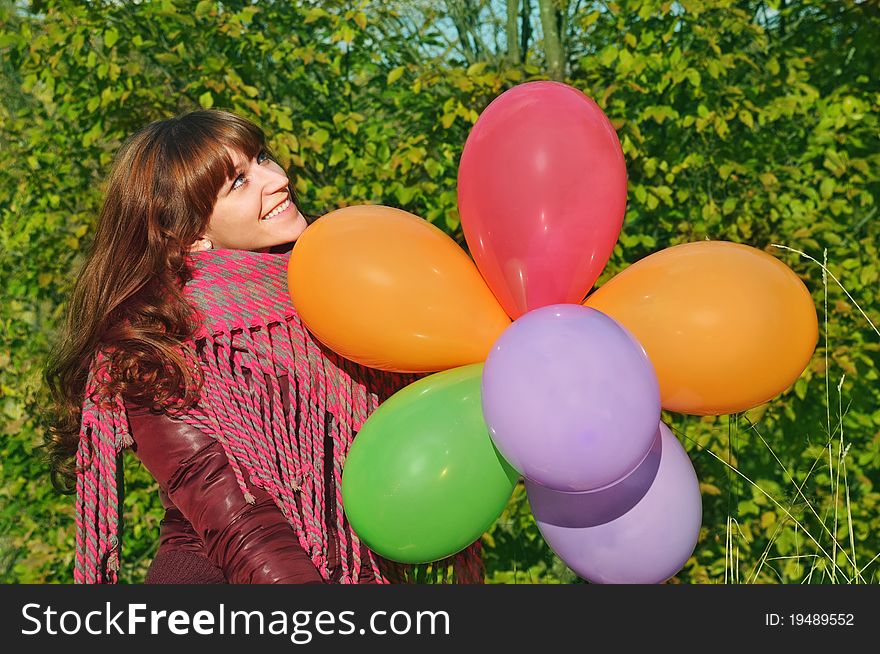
{"points": [[250, 337]]}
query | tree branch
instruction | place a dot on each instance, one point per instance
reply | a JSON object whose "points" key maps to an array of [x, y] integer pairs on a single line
{"points": [[512, 35], [552, 44], [526, 30]]}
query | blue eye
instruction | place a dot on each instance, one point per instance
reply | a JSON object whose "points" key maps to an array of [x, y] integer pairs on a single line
{"points": [[238, 181], [242, 179]]}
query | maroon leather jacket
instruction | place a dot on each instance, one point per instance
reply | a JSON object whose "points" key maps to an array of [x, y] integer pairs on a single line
{"points": [[210, 534]]}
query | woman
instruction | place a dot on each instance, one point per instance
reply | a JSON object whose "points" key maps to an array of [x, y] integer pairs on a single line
{"points": [[182, 344]]}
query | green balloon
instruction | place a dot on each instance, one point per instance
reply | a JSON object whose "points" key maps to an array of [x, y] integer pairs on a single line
{"points": [[423, 479]]}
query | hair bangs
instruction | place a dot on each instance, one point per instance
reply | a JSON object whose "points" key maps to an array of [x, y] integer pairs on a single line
{"points": [[202, 141]]}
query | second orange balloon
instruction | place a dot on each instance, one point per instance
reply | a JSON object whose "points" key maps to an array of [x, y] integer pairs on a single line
{"points": [[389, 290], [726, 326]]}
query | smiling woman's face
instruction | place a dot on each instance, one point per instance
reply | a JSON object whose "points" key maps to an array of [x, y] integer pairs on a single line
{"points": [[254, 210]]}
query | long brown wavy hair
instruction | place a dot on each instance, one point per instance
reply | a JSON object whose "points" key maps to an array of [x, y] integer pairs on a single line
{"points": [[128, 300]]}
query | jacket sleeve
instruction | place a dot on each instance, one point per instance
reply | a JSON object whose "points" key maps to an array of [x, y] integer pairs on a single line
{"points": [[180, 558], [250, 543], [175, 531]]}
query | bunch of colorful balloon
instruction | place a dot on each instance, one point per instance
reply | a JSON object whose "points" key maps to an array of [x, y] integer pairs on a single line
{"points": [[570, 393]]}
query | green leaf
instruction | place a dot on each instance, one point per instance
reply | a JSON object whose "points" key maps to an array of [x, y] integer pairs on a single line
{"points": [[800, 388], [608, 55], [640, 193], [769, 180], [405, 194], [477, 68], [206, 100], [346, 33], [394, 75], [709, 211], [284, 121], [624, 61], [664, 193], [111, 36], [340, 152], [204, 7], [629, 240], [728, 206], [314, 14], [826, 188], [433, 168], [320, 137]]}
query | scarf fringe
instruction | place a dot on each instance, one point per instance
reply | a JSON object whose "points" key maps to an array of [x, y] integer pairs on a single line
{"points": [[287, 451], [103, 436]]}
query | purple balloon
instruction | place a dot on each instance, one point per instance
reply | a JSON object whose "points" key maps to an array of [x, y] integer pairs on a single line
{"points": [[571, 398], [641, 530]]}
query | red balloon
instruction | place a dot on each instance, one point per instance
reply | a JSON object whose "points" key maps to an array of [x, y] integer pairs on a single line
{"points": [[541, 193]]}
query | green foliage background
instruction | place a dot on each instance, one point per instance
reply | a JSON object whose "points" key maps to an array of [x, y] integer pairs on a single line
{"points": [[748, 121]]}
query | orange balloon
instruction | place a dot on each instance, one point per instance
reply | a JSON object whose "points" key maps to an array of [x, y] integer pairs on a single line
{"points": [[389, 290], [726, 326]]}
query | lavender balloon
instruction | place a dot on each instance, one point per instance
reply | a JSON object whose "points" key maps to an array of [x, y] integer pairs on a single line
{"points": [[641, 530], [571, 398]]}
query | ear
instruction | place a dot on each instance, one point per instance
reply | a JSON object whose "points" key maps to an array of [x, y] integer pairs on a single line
{"points": [[201, 245]]}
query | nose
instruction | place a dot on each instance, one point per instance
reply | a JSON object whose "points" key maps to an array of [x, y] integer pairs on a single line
{"points": [[274, 178]]}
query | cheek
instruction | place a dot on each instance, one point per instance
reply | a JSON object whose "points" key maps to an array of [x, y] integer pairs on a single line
{"points": [[235, 214]]}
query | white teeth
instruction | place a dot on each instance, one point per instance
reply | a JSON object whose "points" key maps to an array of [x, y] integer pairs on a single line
{"points": [[281, 207]]}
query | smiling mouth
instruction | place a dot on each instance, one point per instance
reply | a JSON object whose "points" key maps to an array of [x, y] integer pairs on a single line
{"points": [[277, 210]]}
